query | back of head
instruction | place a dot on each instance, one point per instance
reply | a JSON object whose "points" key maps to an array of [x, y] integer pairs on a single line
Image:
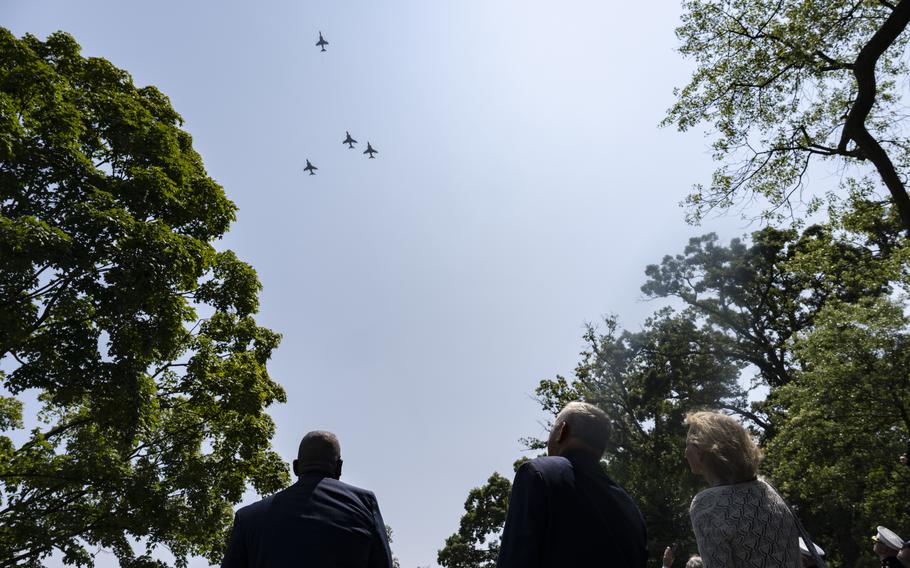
{"points": [[588, 426], [695, 562], [728, 449], [319, 451]]}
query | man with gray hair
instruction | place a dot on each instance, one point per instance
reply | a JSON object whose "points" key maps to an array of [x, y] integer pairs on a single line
{"points": [[319, 522], [565, 510]]}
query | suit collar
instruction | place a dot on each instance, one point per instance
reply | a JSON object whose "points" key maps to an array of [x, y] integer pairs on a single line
{"points": [[581, 458], [312, 476]]}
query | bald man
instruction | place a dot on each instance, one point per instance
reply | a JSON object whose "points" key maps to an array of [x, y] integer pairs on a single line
{"points": [[319, 522], [565, 511]]}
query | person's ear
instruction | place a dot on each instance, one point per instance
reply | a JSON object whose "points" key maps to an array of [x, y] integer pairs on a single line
{"points": [[562, 432], [294, 468], [338, 468]]}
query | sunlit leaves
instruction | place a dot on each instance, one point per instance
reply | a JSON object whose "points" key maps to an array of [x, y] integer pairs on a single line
{"points": [[774, 82], [154, 420]]}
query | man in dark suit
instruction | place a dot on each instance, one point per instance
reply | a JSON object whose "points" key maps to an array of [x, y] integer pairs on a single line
{"points": [[319, 522], [565, 511]]}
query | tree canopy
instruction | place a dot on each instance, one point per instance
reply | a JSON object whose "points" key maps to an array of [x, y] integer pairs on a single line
{"points": [[783, 82], [847, 419], [121, 321], [476, 544]]}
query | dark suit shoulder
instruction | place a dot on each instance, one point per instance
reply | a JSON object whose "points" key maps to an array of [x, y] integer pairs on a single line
{"points": [[335, 523], [344, 490], [341, 485], [332, 489], [256, 510], [548, 466]]}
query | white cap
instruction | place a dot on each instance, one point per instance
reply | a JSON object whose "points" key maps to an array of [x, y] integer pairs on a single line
{"points": [[804, 550], [888, 538]]}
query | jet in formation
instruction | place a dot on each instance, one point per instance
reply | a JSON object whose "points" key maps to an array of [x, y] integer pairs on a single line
{"points": [[370, 151], [322, 42], [310, 168], [348, 140]]}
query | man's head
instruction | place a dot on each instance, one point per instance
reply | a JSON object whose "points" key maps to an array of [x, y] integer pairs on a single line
{"points": [[579, 426], [319, 451], [886, 543]]}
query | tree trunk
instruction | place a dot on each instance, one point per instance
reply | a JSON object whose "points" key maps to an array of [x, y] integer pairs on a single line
{"points": [[855, 127]]}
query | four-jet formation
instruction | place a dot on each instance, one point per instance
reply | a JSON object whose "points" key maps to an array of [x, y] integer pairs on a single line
{"points": [[348, 139]]}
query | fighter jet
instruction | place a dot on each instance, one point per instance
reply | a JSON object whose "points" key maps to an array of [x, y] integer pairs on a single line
{"points": [[310, 168], [370, 151], [322, 42], [348, 140]]}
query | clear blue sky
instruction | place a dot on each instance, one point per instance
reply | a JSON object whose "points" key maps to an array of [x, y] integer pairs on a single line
{"points": [[521, 187]]}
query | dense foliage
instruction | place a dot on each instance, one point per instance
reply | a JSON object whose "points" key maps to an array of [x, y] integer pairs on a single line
{"points": [[476, 544], [152, 416], [847, 420]]}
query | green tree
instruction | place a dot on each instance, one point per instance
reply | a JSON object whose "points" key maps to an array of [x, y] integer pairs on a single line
{"points": [[740, 294], [783, 82], [153, 416], [476, 544], [753, 298], [848, 417], [389, 533]]}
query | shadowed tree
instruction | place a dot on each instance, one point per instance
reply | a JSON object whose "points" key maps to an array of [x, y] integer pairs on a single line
{"points": [[783, 82], [476, 544], [753, 298], [152, 416]]}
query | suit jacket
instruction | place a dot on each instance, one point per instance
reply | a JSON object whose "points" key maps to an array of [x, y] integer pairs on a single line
{"points": [[566, 511], [319, 522]]}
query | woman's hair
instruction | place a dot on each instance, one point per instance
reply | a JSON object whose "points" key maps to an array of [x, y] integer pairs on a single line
{"points": [[695, 562], [728, 450]]}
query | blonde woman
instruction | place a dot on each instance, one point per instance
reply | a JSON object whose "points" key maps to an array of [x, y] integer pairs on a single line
{"points": [[739, 521]]}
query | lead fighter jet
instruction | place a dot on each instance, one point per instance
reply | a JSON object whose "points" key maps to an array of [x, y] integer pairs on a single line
{"points": [[322, 42], [310, 168], [370, 151], [348, 140]]}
